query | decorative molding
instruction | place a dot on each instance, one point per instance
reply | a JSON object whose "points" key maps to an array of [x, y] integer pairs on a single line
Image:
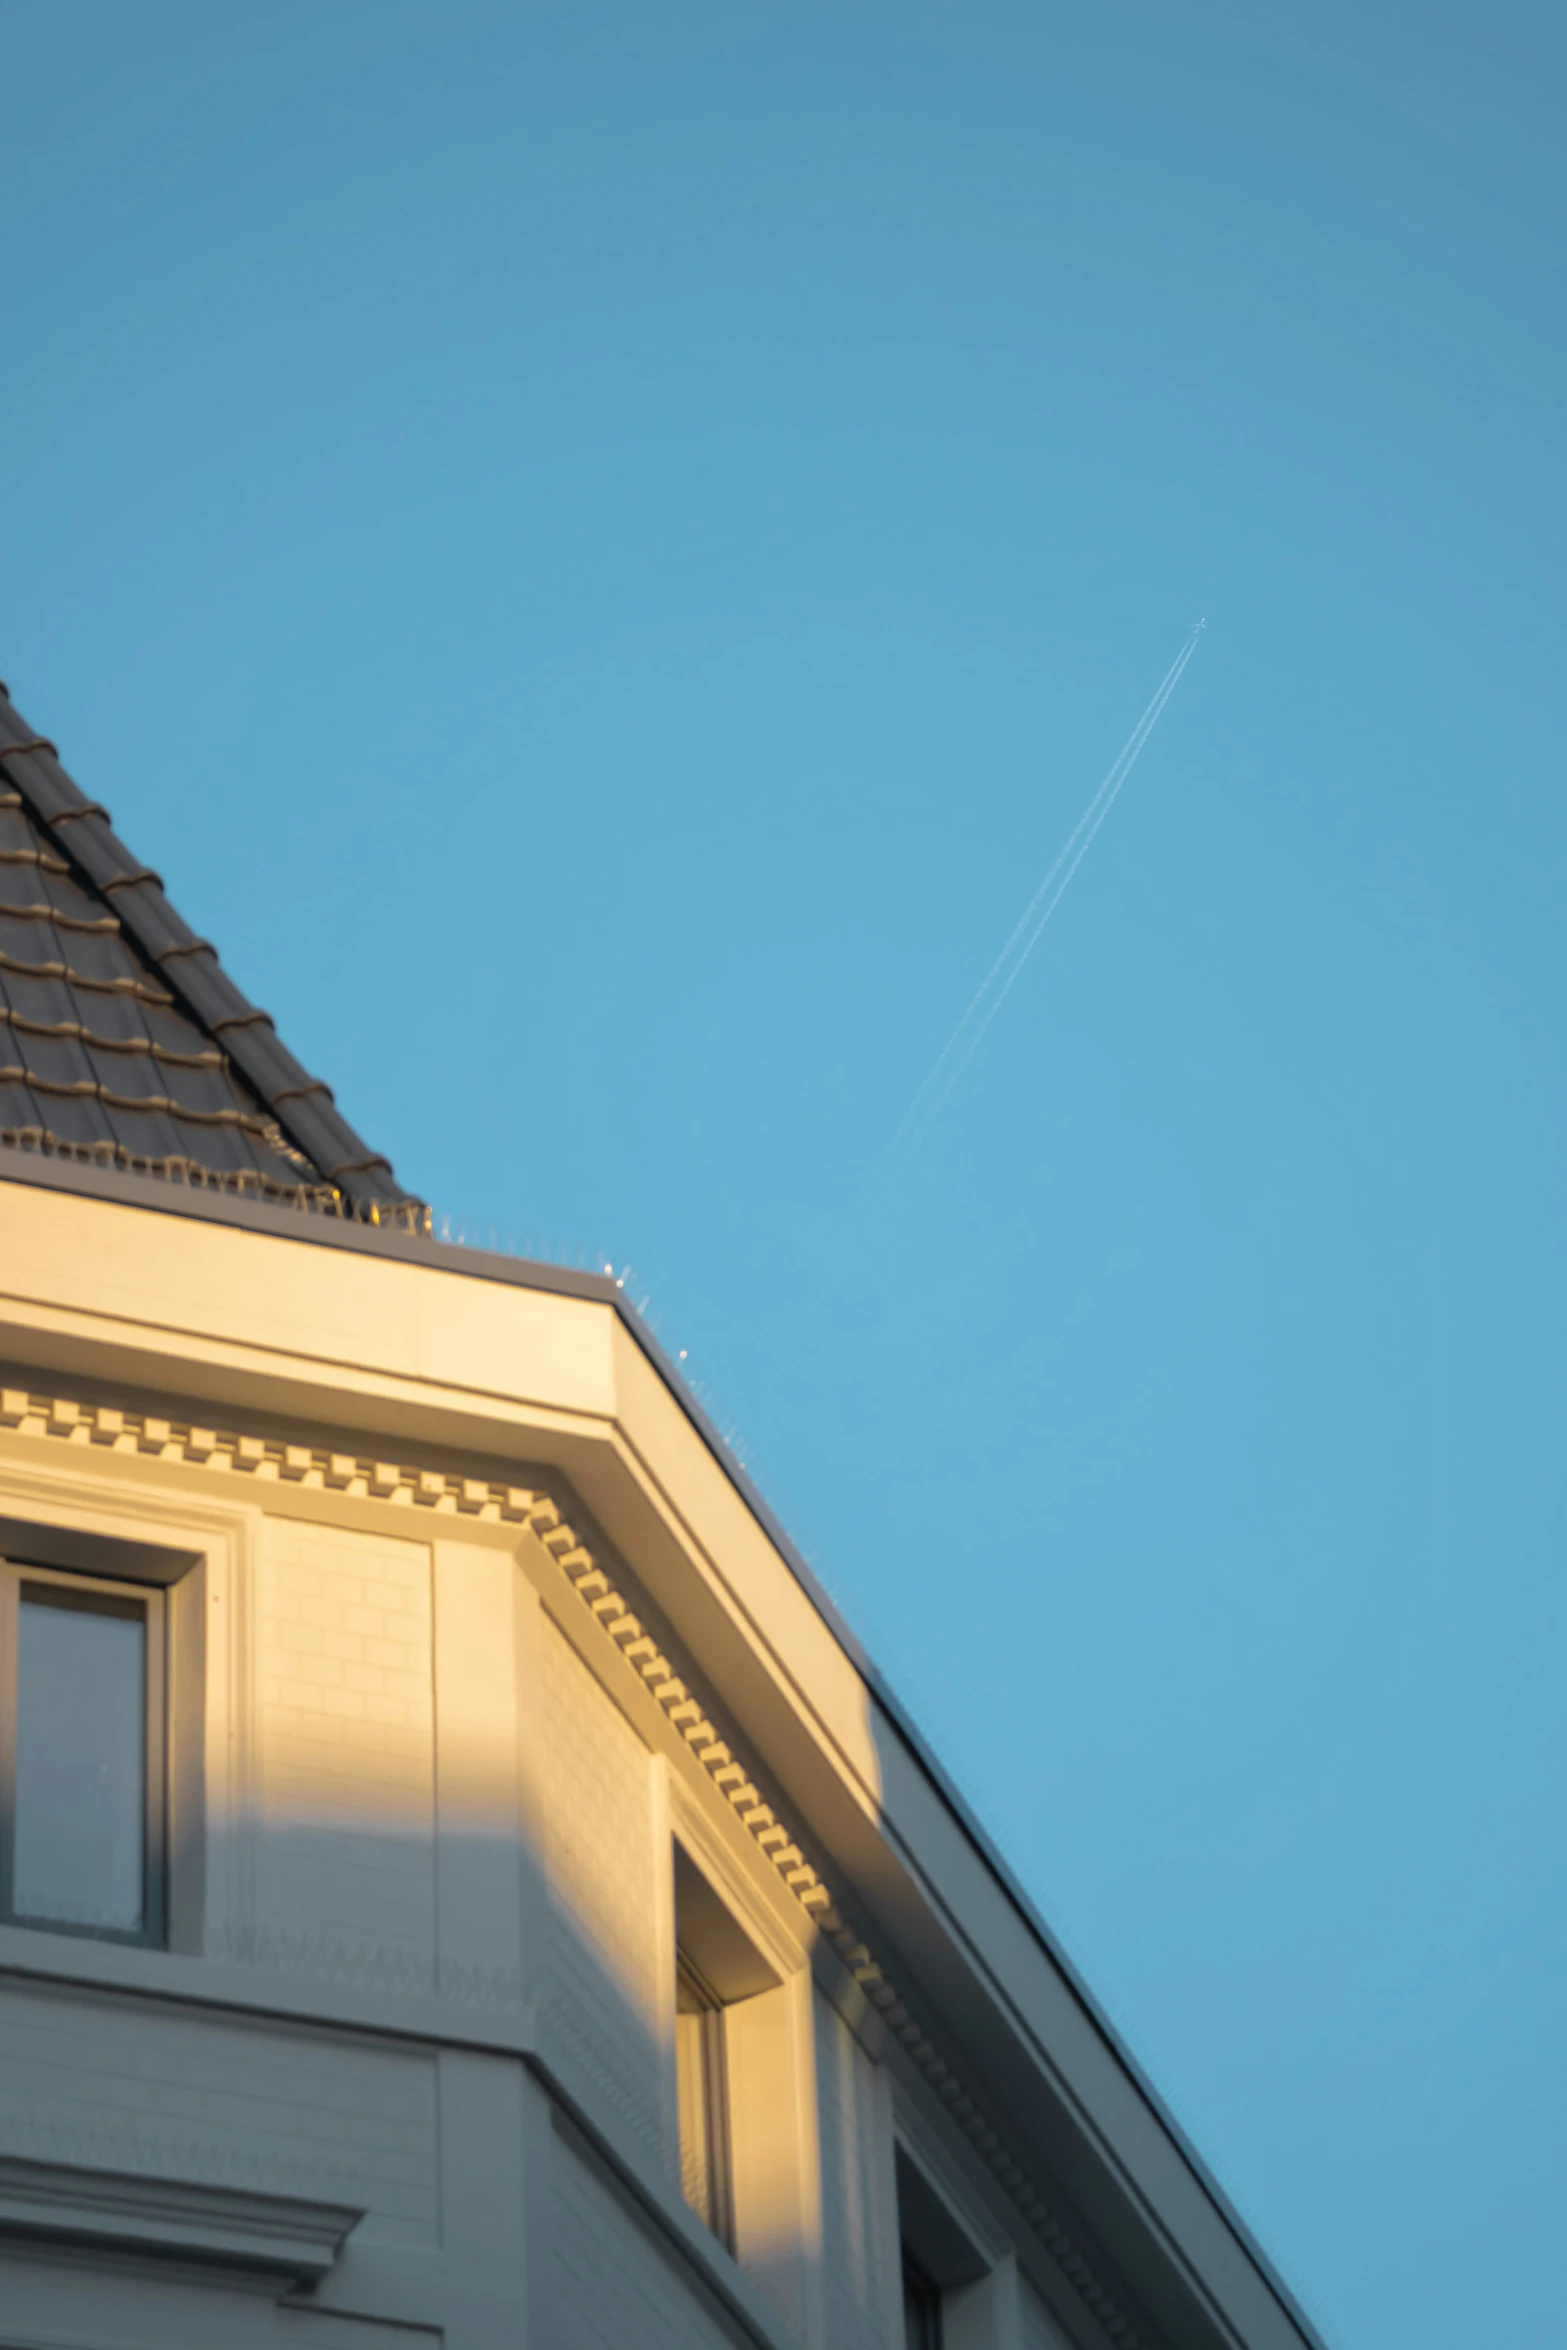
{"points": [[357, 1964], [648, 1658], [106, 1428], [646, 1655], [30, 2139], [279, 2237], [316, 1956], [482, 1987]]}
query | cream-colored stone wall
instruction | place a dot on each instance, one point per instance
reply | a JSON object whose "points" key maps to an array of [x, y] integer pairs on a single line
{"points": [[344, 1755], [860, 2264], [616, 2284], [163, 2090], [601, 1990]]}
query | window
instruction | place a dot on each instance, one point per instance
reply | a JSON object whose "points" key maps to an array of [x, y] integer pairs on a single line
{"points": [[703, 2087], [81, 1754], [948, 2278], [921, 2306], [730, 2037]]}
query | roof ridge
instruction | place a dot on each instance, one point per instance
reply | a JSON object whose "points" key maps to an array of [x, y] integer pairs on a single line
{"points": [[81, 831]]}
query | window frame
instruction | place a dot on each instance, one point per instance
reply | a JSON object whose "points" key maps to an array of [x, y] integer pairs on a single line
{"points": [[703, 2010], [751, 1948], [922, 2299], [966, 2267], [150, 1600]]}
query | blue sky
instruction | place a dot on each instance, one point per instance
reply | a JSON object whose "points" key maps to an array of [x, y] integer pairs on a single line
{"points": [[601, 550]]}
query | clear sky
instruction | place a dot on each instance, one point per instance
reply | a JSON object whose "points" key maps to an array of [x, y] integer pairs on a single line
{"points": [[601, 548]]}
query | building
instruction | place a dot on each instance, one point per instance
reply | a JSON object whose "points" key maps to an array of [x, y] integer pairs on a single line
{"points": [[459, 1883]]}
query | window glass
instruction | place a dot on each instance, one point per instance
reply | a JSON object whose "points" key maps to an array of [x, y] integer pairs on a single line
{"points": [[921, 2307], [81, 1760], [699, 2071]]}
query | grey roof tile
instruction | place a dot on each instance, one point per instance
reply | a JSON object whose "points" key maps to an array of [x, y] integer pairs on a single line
{"points": [[122, 1037], [76, 1119], [46, 1000], [174, 1036], [52, 1062], [116, 1022], [17, 1107]]}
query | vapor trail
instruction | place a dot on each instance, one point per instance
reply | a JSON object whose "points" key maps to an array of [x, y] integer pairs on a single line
{"points": [[996, 985], [1078, 841], [1001, 994], [1109, 786]]}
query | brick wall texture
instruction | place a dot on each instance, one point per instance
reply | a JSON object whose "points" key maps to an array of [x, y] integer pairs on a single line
{"points": [[614, 2288], [344, 1865], [167, 2092], [605, 1899]]}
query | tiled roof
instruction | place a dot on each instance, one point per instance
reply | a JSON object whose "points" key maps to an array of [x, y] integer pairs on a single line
{"points": [[122, 1039]]}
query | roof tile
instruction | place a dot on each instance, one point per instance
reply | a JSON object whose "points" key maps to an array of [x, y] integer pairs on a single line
{"points": [[122, 1037]]}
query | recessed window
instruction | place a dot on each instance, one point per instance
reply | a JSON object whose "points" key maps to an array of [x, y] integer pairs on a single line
{"points": [[702, 2079], [947, 2283], [725, 2041], [81, 1754], [921, 2306]]}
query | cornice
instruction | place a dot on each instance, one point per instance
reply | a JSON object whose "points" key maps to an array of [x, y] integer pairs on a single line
{"points": [[648, 1655], [117, 2208]]}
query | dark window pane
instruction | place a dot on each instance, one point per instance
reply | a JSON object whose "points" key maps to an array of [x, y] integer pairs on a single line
{"points": [[81, 1760], [921, 2307]]}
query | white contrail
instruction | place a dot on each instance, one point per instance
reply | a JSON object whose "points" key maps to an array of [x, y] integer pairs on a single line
{"points": [[1081, 836], [1111, 784], [988, 998], [1034, 936]]}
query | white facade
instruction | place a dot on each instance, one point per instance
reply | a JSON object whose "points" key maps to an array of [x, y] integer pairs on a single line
{"points": [[471, 1645]]}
